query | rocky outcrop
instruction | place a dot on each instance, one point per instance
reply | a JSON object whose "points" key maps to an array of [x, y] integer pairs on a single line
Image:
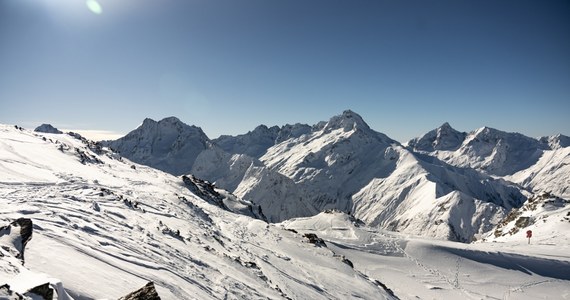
{"points": [[15, 236], [147, 292], [314, 239], [47, 128]]}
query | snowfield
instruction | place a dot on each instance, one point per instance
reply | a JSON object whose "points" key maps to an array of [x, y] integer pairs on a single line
{"points": [[104, 226], [419, 268]]}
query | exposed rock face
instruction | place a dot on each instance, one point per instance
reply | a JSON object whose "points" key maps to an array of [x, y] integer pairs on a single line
{"points": [[147, 292], [314, 239], [222, 198], [43, 291], [15, 236], [47, 128]]}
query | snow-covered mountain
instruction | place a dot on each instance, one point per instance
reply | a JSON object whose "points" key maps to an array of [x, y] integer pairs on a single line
{"points": [[442, 138], [255, 143], [538, 165], [343, 164], [105, 226], [486, 149], [168, 145]]}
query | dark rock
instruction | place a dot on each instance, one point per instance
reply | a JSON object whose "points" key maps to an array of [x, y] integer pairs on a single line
{"points": [[388, 290], [7, 294], [43, 291], [25, 225], [314, 239], [347, 261], [147, 292], [47, 128]]}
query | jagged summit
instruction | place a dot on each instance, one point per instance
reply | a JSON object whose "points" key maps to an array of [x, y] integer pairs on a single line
{"points": [[348, 120], [444, 137], [556, 141], [169, 144], [47, 128]]}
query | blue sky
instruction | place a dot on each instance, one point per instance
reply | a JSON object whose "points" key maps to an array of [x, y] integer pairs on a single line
{"points": [[228, 66]]}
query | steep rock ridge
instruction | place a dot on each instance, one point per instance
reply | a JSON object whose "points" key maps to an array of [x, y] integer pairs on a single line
{"points": [[168, 145]]}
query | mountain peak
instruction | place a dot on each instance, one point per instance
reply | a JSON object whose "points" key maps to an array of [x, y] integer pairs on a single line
{"points": [[348, 120], [445, 126], [556, 141], [47, 128], [170, 120], [442, 138]]}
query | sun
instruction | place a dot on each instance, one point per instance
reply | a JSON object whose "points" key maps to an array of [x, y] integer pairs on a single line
{"points": [[94, 7]]}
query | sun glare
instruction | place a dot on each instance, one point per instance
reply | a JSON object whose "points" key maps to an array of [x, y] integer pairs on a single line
{"points": [[94, 6]]}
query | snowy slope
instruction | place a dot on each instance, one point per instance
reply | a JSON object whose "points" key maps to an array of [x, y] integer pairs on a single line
{"points": [[168, 145], [546, 215], [105, 226], [419, 268], [551, 173], [430, 198]]}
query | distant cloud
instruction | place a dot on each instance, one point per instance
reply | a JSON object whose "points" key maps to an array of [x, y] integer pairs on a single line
{"points": [[96, 135]]}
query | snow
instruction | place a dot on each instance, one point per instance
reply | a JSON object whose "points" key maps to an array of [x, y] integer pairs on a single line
{"points": [[104, 228], [420, 268]]}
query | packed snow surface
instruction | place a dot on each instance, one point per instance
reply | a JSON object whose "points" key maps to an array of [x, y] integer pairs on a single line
{"points": [[419, 268]]}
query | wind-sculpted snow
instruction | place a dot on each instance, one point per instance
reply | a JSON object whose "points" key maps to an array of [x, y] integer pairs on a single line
{"points": [[106, 229], [420, 268]]}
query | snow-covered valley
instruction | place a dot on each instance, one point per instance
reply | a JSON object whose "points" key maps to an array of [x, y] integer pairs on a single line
{"points": [[104, 226]]}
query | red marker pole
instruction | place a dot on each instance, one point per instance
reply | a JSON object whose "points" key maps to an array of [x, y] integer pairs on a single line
{"points": [[529, 235]]}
